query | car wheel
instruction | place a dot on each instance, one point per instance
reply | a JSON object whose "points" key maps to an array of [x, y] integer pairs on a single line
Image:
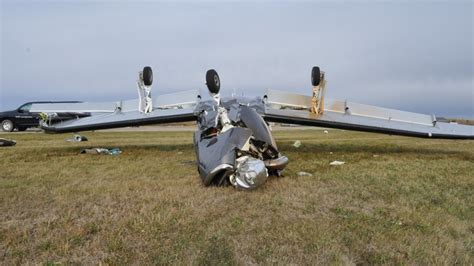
{"points": [[7, 125]]}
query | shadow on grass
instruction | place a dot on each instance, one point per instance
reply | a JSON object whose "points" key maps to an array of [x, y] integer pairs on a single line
{"points": [[217, 251]]}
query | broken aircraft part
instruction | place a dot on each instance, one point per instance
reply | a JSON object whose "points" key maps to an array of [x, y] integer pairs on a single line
{"points": [[7, 142], [233, 141], [77, 138], [250, 173], [112, 151]]}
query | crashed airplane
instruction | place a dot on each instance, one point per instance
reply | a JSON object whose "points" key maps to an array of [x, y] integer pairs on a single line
{"points": [[233, 141]]}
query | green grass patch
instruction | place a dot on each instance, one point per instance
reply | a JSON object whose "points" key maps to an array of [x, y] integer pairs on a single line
{"points": [[396, 200]]}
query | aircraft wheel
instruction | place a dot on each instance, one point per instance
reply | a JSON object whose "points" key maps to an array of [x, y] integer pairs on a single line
{"points": [[147, 76], [7, 125], [212, 81], [315, 76]]}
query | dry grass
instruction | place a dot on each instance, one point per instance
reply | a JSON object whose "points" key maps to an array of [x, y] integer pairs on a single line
{"points": [[461, 121], [396, 200]]}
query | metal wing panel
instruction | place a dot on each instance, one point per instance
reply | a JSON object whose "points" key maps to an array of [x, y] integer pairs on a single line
{"points": [[121, 119], [294, 109], [182, 99], [178, 100], [100, 107], [167, 108]]}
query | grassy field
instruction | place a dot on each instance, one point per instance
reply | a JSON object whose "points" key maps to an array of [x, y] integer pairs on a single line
{"points": [[397, 200]]}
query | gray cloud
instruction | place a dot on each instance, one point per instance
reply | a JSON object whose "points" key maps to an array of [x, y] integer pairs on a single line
{"points": [[413, 56]]}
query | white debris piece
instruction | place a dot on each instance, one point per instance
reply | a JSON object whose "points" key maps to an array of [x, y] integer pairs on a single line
{"points": [[113, 151], [77, 138], [297, 144], [326, 132], [337, 163], [304, 174]]}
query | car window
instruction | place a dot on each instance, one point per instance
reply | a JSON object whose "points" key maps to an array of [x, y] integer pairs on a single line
{"points": [[26, 107]]}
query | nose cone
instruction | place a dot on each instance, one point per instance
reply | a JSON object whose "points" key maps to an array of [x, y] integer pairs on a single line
{"points": [[212, 81], [251, 173]]}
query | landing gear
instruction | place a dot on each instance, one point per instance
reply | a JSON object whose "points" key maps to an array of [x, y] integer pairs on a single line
{"points": [[147, 76], [145, 79], [212, 81], [315, 76], [319, 89]]}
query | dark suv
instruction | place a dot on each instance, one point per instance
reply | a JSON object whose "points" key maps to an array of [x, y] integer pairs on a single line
{"points": [[21, 118]]}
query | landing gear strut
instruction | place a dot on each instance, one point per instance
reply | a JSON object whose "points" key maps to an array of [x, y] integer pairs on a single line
{"points": [[319, 89], [145, 79]]}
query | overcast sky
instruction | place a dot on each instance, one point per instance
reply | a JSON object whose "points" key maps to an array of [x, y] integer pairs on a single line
{"points": [[405, 55]]}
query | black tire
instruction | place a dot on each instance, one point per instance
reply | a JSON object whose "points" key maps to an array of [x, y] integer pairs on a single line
{"points": [[22, 128], [212, 81], [147, 76], [8, 125], [315, 76]]}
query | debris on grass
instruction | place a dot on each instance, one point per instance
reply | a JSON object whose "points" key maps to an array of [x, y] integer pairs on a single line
{"points": [[7, 142], [77, 138], [326, 132], [304, 174], [334, 163], [376, 155], [112, 151], [297, 144]]}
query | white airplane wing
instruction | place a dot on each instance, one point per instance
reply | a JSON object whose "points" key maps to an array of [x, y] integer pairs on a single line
{"points": [[275, 106], [168, 108], [293, 108]]}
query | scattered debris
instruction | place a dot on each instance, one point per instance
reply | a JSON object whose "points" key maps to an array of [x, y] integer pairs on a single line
{"points": [[297, 144], [304, 174], [376, 155], [113, 151], [337, 163], [330, 152], [326, 132], [77, 138], [7, 142]]}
